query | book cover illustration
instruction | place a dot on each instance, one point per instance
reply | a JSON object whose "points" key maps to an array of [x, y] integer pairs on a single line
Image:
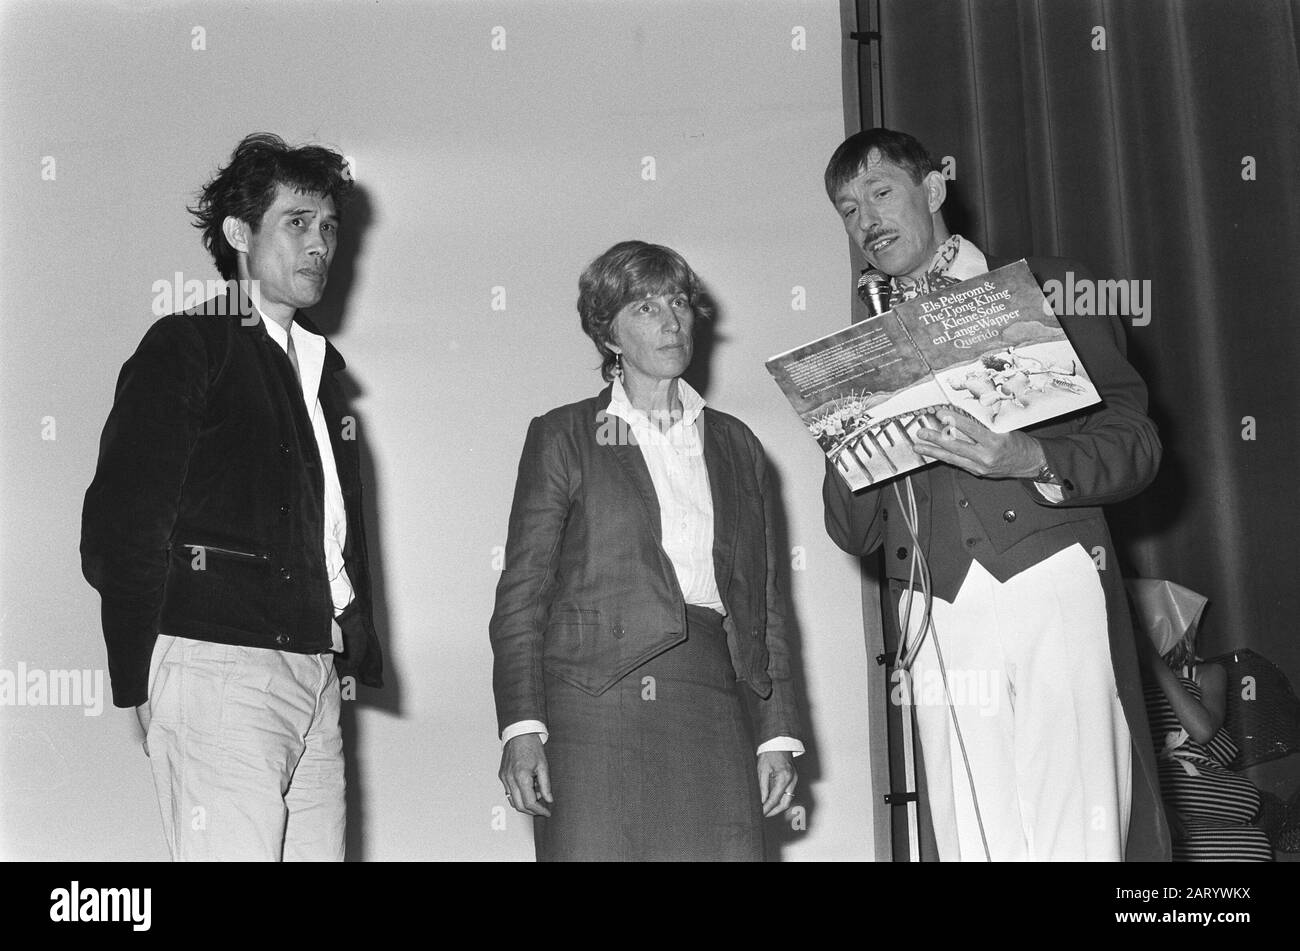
{"points": [[998, 351], [989, 347]]}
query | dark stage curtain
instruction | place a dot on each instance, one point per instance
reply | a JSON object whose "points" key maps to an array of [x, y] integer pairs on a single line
{"points": [[1156, 141]]}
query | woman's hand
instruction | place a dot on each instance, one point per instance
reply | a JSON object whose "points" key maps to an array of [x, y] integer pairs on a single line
{"points": [[524, 774], [776, 781]]}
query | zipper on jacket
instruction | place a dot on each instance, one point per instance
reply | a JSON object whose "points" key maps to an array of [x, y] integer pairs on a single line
{"points": [[229, 552]]}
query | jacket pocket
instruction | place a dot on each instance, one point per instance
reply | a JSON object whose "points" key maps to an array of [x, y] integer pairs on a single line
{"points": [[570, 630]]}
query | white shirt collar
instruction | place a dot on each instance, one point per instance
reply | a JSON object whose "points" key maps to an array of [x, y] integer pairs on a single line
{"points": [[311, 354], [619, 405], [278, 333]]}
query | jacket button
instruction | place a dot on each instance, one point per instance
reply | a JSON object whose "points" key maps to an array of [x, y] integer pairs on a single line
{"points": [[964, 503], [902, 553], [972, 542], [284, 510], [619, 632], [884, 516], [282, 639], [286, 574], [284, 449], [1009, 515]]}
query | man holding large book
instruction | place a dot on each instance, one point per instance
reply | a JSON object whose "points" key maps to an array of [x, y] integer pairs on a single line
{"points": [[1051, 757]]}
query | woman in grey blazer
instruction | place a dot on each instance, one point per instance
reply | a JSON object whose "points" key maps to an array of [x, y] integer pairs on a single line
{"points": [[638, 613]]}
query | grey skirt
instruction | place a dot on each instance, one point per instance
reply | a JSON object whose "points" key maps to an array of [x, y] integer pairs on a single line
{"points": [[660, 767]]}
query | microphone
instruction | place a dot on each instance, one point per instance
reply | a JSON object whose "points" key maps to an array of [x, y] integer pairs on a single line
{"points": [[873, 290]]}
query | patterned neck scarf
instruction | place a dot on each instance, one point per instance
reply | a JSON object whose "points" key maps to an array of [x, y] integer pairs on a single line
{"points": [[954, 261]]}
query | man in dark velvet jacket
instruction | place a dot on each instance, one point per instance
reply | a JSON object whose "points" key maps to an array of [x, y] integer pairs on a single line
{"points": [[223, 529], [1057, 750]]}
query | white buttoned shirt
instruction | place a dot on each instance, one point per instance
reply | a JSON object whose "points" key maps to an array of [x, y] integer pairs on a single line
{"points": [[310, 349]]}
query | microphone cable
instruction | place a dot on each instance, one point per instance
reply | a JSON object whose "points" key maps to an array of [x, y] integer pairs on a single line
{"points": [[920, 571], [874, 291]]}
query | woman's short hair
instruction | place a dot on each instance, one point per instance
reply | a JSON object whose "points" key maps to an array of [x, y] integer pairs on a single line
{"points": [[632, 270], [245, 188]]}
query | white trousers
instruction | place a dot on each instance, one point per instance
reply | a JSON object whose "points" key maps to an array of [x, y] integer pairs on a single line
{"points": [[1031, 686], [246, 752]]}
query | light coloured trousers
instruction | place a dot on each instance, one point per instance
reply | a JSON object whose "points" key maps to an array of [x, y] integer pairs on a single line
{"points": [[1030, 681], [246, 752]]}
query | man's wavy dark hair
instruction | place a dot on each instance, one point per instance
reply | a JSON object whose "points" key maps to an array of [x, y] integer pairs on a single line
{"points": [[897, 147], [632, 270], [245, 188]]}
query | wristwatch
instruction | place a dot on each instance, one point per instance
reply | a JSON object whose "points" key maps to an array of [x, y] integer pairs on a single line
{"points": [[1045, 474]]}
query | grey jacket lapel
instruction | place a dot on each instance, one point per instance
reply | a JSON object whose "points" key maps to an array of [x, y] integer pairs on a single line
{"points": [[614, 435], [721, 466]]}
